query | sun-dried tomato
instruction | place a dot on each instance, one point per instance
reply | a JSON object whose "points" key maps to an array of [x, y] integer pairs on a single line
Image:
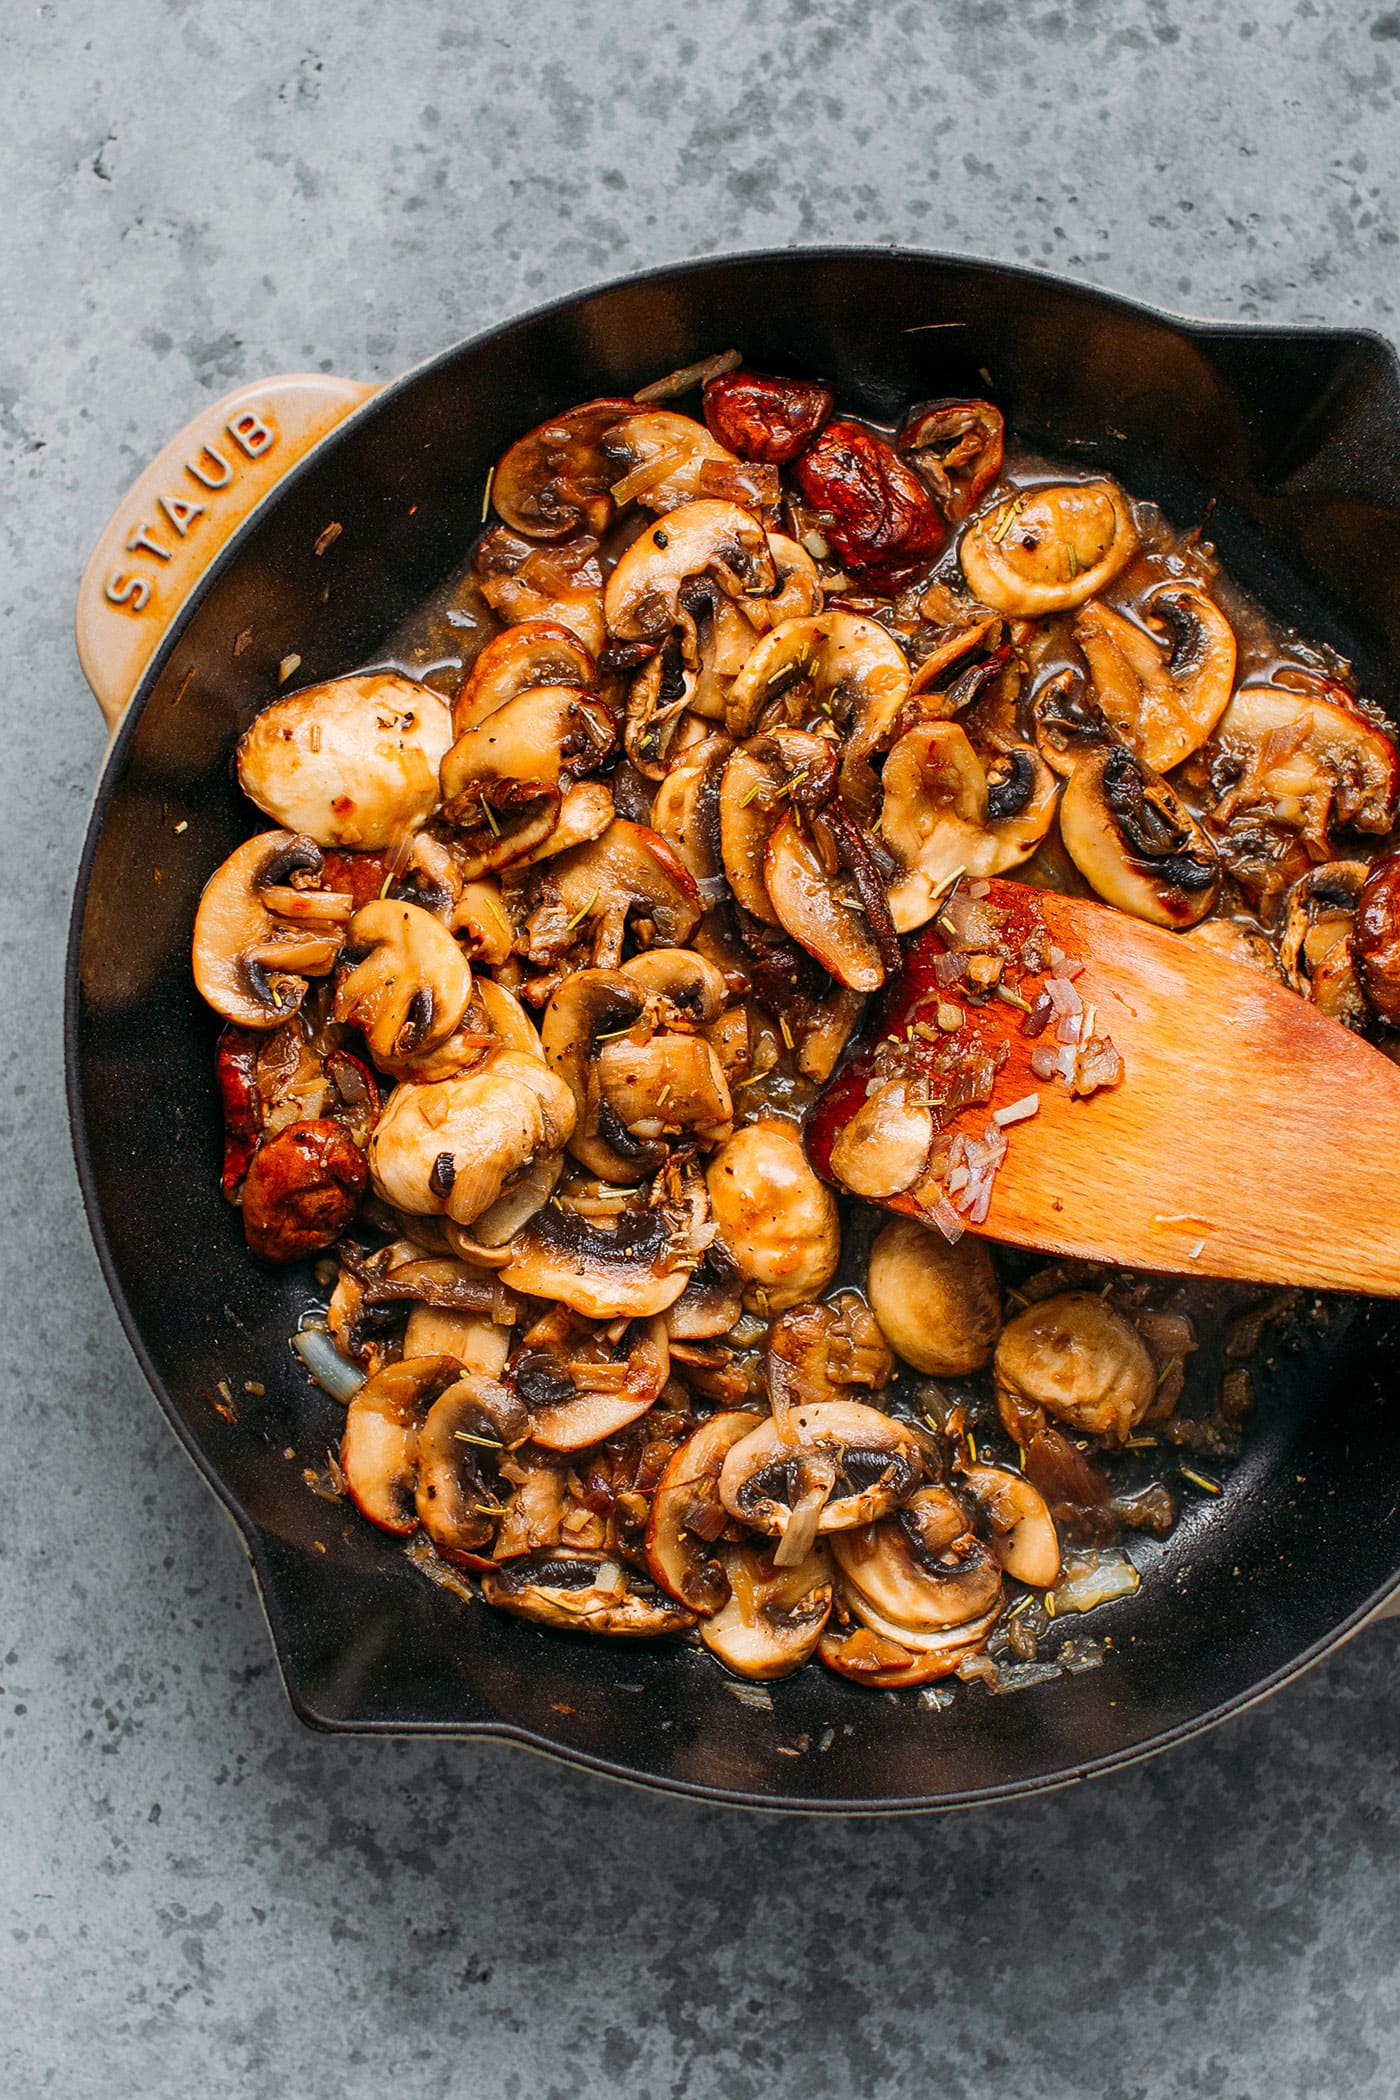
{"points": [[766, 419], [236, 1070], [301, 1190], [877, 513]]}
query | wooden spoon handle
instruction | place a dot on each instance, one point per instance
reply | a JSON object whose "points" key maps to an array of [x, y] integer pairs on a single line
{"points": [[176, 516]]}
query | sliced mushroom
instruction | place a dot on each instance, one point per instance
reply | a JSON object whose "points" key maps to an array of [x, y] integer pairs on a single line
{"points": [[534, 653], [545, 738], [586, 1010], [712, 1301], [1306, 762], [590, 1389], [467, 1430], [481, 925], [1074, 1357], [758, 784], [938, 1305], [583, 1593], [561, 582], [1135, 842], [409, 986], [644, 597], [826, 1467], [957, 446], [941, 814], [884, 1664], [1377, 937], [688, 989], [657, 457], [884, 1148], [773, 1618], [1163, 701], [669, 1086], [632, 1269], [835, 666], [628, 875], [687, 1517], [1317, 950], [555, 480], [910, 1579], [379, 1450], [1023, 1535], [479, 1343], [1241, 942], [1046, 550], [251, 963], [455, 1146], [685, 812], [585, 811], [819, 1352], [775, 1218], [819, 903], [353, 762]]}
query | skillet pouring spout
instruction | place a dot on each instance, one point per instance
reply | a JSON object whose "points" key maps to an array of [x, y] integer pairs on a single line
{"points": [[1249, 1136]]}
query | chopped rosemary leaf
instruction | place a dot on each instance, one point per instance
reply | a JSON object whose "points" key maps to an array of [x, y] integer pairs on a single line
{"points": [[582, 913]]}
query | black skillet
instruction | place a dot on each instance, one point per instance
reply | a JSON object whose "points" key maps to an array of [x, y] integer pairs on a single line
{"points": [[1292, 436]]}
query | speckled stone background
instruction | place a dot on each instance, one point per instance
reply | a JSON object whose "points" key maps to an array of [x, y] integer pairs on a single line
{"points": [[195, 1895]]}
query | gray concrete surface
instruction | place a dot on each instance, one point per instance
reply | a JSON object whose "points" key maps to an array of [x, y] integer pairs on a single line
{"points": [[195, 1895]]}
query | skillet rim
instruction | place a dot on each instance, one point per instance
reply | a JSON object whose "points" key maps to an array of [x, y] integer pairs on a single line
{"points": [[250, 1534]]}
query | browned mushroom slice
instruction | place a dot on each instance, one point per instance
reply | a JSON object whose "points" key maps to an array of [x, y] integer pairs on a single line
{"points": [[774, 1616], [561, 581], [534, 653], [887, 1656], [776, 1219], [353, 762], [884, 1149], [1317, 950], [685, 812], [583, 1593], [587, 1011], [1163, 700], [457, 1145], [658, 456], [644, 599], [555, 480], [593, 1391], [712, 1300], [957, 446], [633, 1269], [938, 1306], [408, 987], [544, 738], [921, 1573], [629, 873], [1306, 761], [1021, 1530], [250, 962], [822, 1468], [1242, 942], [942, 813], [687, 1517], [1078, 1359], [819, 903], [1135, 842], [834, 666], [821, 1351], [379, 1450], [468, 1430], [671, 1086], [1046, 550]]}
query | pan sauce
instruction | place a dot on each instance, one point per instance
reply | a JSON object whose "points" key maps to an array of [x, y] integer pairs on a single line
{"points": [[605, 1460]]}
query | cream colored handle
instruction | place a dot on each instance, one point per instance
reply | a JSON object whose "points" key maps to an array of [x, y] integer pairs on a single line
{"points": [[173, 520]]}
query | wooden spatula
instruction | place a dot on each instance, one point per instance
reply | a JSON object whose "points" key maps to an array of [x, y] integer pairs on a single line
{"points": [[1249, 1136]]}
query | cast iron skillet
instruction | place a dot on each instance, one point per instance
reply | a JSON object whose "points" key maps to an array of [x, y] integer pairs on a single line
{"points": [[1293, 436]]}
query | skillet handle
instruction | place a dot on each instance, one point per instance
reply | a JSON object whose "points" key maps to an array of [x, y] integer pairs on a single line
{"points": [[176, 516]]}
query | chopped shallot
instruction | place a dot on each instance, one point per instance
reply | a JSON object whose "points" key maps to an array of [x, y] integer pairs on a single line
{"points": [[1016, 1111]]}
